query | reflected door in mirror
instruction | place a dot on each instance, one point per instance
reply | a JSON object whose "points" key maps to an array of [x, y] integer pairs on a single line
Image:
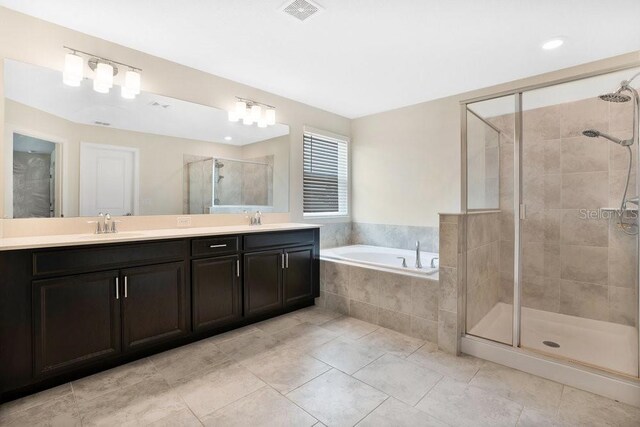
{"points": [[108, 178]]}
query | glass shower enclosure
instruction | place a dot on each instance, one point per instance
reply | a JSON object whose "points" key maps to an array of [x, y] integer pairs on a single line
{"points": [[552, 234]]}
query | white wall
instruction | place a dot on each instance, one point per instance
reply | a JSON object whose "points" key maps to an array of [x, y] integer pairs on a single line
{"points": [[27, 39]]}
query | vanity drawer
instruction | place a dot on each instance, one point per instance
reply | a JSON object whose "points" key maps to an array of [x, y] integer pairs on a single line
{"points": [[214, 246], [81, 259], [275, 239]]}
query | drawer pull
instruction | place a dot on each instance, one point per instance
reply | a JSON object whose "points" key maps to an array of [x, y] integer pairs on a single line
{"points": [[125, 287], [117, 288], [224, 245], [238, 268]]}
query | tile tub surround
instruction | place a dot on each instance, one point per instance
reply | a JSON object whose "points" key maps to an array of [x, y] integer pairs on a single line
{"points": [[395, 236], [335, 234], [571, 265], [404, 303], [338, 371]]}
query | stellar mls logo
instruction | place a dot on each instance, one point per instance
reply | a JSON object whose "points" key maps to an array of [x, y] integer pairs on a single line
{"points": [[595, 214]]}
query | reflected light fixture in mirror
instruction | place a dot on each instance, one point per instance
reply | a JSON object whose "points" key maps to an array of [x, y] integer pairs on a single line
{"points": [[251, 112]]}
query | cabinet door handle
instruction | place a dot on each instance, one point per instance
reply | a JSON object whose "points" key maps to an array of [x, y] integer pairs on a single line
{"points": [[238, 268], [218, 246], [117, 288], [125, 287], [286, 260], [282, 260]]}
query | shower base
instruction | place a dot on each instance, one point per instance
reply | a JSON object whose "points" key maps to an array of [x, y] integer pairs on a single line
{"points": [[611, 346]]}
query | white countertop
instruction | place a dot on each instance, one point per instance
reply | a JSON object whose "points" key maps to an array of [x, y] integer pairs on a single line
{"points": [[31, 242]]}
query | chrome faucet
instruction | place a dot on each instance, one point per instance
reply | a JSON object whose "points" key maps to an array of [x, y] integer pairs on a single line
{"points": [[418, 261], [105, 224], [433, 261], [257, 218], [404, 261], [100, 224]]}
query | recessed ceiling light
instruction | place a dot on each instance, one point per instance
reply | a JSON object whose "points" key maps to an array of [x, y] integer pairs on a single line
{"points": [[553, 44], [227, 138]]}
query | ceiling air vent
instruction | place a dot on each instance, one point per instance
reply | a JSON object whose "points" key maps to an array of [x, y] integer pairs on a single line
{"points": [[301, 9]]}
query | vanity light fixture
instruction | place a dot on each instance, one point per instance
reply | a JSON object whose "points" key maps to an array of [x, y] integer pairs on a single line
{"points": [[73, 69], [105, 70], [251, 112]]}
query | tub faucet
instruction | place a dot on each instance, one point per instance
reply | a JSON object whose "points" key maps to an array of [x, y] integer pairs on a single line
{"points": [[433, 261], [418, 261]]}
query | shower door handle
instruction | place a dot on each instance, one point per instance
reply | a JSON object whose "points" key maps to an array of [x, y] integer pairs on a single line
{"points": [[523, 211]]}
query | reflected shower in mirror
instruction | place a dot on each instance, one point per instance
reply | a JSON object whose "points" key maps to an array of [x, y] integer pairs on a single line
{"points": [[70, 151]]}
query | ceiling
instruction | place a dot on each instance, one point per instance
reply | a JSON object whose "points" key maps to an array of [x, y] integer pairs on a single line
{"points": [[42, 88], [359, 57]]}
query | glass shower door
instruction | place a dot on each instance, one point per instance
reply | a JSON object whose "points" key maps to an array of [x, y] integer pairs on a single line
{"points": [[489, 241]]}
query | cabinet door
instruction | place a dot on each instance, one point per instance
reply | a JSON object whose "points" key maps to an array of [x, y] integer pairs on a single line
{"points": [[216, 292], [76, 320], [154, 302], [263, 281], [298, 275]]}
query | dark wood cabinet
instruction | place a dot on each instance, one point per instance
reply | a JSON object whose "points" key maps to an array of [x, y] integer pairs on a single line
{"points": [[216, 292], [263, 281], [66, 312], [298, 275], [154, 302], [76, 320]]}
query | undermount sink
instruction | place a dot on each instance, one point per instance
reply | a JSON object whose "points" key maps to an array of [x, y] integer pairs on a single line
{"points": [[123, 235]]}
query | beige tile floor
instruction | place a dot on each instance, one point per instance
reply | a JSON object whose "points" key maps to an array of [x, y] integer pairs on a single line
{"points": [[314, 367]]}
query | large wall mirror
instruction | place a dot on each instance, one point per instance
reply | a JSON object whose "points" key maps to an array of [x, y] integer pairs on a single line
{"points": [[70, 151]]}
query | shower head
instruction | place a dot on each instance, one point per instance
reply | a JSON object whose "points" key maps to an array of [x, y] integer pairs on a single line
{"points": [[592, 133], [615, 97]]}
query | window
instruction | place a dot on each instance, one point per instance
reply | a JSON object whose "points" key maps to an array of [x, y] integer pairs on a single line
{"points": [[325, 176]]}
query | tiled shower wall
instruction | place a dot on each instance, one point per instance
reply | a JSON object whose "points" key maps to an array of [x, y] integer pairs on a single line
{"points": [[570, 265], [483, 252]]}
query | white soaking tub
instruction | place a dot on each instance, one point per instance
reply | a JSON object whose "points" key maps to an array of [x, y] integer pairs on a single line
{"points": [[383, 258]]}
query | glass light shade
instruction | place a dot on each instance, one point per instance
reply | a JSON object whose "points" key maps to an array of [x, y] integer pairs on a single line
{"points": [[127, 93], [100, 88], [73, 70], [256, 113], [132, 81], [262, 123], [104, 77], [270, 116], [247, 119], [241, 108], [233, 116]]}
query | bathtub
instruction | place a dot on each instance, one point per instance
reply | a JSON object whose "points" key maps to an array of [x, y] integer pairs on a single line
{"points": [[383, 258]]}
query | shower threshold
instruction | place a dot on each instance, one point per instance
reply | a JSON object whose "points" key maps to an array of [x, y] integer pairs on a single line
{"points": [[605, 345]]}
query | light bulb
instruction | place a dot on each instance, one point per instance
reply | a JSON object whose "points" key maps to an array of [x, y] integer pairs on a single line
{"points": [[233, 116], [73, 70], [270, 116], [104, 78], [132, 81], [241, 108], [256, 113]]}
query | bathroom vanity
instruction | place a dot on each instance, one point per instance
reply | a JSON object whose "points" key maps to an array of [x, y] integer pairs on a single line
{"points": [[71, 306]]}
